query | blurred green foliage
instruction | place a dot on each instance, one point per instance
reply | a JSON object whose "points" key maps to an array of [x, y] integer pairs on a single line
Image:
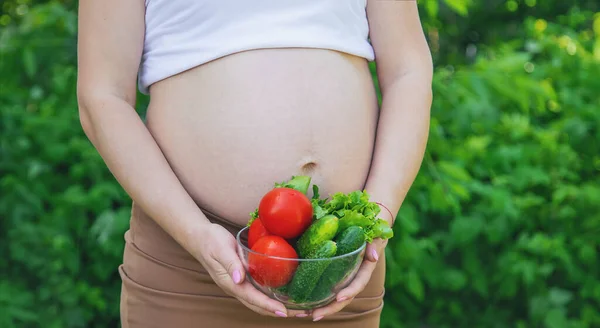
{"points": [[501, 228]]}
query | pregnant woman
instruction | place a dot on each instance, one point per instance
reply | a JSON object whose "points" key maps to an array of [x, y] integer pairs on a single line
{"points": [[245, 93]]}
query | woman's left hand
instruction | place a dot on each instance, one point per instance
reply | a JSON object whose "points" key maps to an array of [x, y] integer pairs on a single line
{"points": [[373, 252]]}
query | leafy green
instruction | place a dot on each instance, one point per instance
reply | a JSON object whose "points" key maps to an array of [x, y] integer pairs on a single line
{"points": [[298, 182], [353, 218], [253, 216], [353, 209], [317, 204], [380, 229]]}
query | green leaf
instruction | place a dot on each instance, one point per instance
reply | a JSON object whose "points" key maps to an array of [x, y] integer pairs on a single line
{"points": [[253, 216], [316, 194], [415, 285], [588, 253], [29, 62], [596, 25], [353, 218], [478, 144], [512, 62], [407, 220], [459, 190], [555, 318], [23, 314], [299, 183], [459, 6], [596, 50], [454, 171], [559, 297], [318, 211], [455, 279], [464, 230], [432, 7], [103, 227], [380, 229]]}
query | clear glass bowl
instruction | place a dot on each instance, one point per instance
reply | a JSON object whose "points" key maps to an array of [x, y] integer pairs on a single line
{"points": [[338, 273]]}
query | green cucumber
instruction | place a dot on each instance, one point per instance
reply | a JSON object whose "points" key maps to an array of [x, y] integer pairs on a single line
{"points": [[307, 275], [347, 241], [350, 240], [319, 231], [282, 290]]}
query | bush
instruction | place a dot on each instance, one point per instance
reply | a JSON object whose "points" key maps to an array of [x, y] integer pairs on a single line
{"points": [[499, 230], [62, 212]]}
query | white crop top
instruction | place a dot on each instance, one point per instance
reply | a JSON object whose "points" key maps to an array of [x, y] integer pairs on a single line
{"points": [[181, 34]]}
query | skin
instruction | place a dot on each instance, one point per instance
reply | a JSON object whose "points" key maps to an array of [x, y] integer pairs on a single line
{"points": [[192, 149], [405, 70]]}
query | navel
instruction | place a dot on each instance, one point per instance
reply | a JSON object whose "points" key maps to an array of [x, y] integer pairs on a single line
{"points": [[308, 167]]}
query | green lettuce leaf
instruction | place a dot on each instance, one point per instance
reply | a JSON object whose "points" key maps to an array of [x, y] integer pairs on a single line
{"points": [[350, 218], [354, 208], [317, 204], [380, 229]]}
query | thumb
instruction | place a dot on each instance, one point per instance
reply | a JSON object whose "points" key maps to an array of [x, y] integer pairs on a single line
{"points": [[231, 262], [373, 250]]}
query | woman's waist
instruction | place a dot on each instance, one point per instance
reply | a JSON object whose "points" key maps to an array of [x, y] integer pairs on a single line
{"points": [[227, 161], [229, 181]]}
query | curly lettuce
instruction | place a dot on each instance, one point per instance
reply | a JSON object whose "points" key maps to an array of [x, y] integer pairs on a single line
{"points": [[353, 209]]}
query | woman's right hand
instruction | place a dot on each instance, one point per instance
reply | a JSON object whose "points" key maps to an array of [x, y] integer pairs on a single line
{"points": [[217, 252]]}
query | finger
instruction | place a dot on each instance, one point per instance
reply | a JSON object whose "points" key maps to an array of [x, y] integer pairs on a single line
{"points": [[225, 266], [330, 309], [298, 313], [258, 299], [254, 299], [251, 295], [374, 249], [230, 260], [245, 291], [262, 311], [257, 309], [363, 276], [346, 295]]}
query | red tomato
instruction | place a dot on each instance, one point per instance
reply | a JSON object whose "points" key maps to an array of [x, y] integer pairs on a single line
{"points": [[270, 272], [285, 212], [256, 231]]}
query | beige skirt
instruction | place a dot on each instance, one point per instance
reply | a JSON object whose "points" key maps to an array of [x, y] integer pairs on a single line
{"points": [[164, 286]]}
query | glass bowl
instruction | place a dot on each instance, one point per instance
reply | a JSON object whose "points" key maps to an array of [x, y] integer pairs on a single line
{"points": [[330, 275]]}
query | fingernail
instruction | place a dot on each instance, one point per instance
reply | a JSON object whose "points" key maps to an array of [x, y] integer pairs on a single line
{"points": [[341, 299], [237, 276], [318, 318], [301, 315], [281, 314], [374, 254]]}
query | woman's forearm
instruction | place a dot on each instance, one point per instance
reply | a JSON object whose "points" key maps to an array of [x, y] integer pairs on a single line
{"points": [[136, 161], [402, 136]]}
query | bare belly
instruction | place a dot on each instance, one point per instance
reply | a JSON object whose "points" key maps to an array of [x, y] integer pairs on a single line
{"points": [[233, 127]]}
